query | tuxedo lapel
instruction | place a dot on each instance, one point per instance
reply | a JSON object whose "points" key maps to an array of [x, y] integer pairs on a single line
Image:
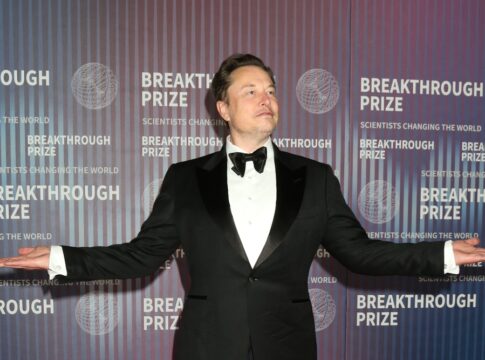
{"points": [[290, 184], [212, 179]]}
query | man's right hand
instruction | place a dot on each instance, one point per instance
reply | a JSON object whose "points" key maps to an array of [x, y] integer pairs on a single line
{"points": [[30, 258]]}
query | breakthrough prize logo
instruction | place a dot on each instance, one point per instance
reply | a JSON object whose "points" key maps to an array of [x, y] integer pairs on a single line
{"points": [[317, 91], [324, 308], [94, 86], [378, 202], [97, 313]]}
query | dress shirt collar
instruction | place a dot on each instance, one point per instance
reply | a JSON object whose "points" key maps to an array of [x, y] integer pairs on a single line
{"points": [[230, 148]]}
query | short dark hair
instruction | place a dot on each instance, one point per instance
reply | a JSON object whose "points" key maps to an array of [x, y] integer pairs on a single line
{"points": [[222, 78]]}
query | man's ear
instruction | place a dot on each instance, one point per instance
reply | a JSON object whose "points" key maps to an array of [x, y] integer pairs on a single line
{"points": [[223, 110]]}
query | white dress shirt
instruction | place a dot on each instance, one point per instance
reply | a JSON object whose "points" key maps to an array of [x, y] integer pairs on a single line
{"points": [[252, 199]]}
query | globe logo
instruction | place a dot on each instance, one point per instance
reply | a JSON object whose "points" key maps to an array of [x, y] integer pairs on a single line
{"points": [[323, 307], [378, 202], [150, 194], [94, 86], [97, 313], [317, 91]]}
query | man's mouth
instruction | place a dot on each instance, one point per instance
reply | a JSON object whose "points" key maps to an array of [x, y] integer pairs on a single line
{"points": [[265, 113]]}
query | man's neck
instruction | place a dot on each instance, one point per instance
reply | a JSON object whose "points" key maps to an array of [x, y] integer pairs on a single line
{"points": [[248, 145]]}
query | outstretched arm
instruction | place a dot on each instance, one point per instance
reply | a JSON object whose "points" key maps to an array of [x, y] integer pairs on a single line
{"points": [[348, 242], [155, 242]]}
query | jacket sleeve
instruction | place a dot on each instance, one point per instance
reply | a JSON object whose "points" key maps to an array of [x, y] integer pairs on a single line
{"points": [[348, 242], [156, 241]]}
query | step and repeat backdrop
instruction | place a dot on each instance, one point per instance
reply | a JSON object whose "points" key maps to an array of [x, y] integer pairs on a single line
{"points": [[98, 98]]}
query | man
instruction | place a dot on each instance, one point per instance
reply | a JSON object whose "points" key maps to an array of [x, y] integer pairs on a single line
{"points": [[250, 226]]}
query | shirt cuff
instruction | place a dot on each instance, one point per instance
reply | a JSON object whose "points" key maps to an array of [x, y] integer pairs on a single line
{"points": [[57, 263], [450, 264]]}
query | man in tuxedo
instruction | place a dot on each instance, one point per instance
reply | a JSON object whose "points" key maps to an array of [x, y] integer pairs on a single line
{"points": [[250, 219]]}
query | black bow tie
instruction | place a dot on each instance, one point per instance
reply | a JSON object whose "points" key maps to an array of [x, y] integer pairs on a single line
{"points": [[239, 160]]}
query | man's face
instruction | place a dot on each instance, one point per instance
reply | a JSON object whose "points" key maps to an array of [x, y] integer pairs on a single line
{"points": [[250, 107]]}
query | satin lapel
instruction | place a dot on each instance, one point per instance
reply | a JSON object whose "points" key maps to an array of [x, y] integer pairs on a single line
{"points": [[212, 179], [290, 185]]}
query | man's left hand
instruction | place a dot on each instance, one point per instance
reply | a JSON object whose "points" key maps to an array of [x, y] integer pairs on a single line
{"points": [[468, 252]]}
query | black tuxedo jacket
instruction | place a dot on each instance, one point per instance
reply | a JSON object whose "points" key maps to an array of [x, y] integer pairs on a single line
{"points": [[231, 305]]}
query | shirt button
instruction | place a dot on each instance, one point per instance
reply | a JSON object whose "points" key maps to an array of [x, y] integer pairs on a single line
{"points": [[250, 198]]}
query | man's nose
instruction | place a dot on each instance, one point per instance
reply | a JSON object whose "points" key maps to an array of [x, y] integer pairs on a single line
{"points": [[265, 99]]}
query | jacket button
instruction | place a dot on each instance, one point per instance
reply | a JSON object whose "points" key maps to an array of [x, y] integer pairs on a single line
{"points": [[253, 279]]}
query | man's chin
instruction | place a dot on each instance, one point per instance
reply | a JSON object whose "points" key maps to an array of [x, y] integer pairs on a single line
{"points": [[268, 124], [265, 133]]}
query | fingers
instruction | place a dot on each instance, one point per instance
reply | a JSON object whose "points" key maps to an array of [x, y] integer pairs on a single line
{"points": [[23, 251], [473, 241], [13, 262], [466, 244], [29, 258], [3, 261], [20, 262]]}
